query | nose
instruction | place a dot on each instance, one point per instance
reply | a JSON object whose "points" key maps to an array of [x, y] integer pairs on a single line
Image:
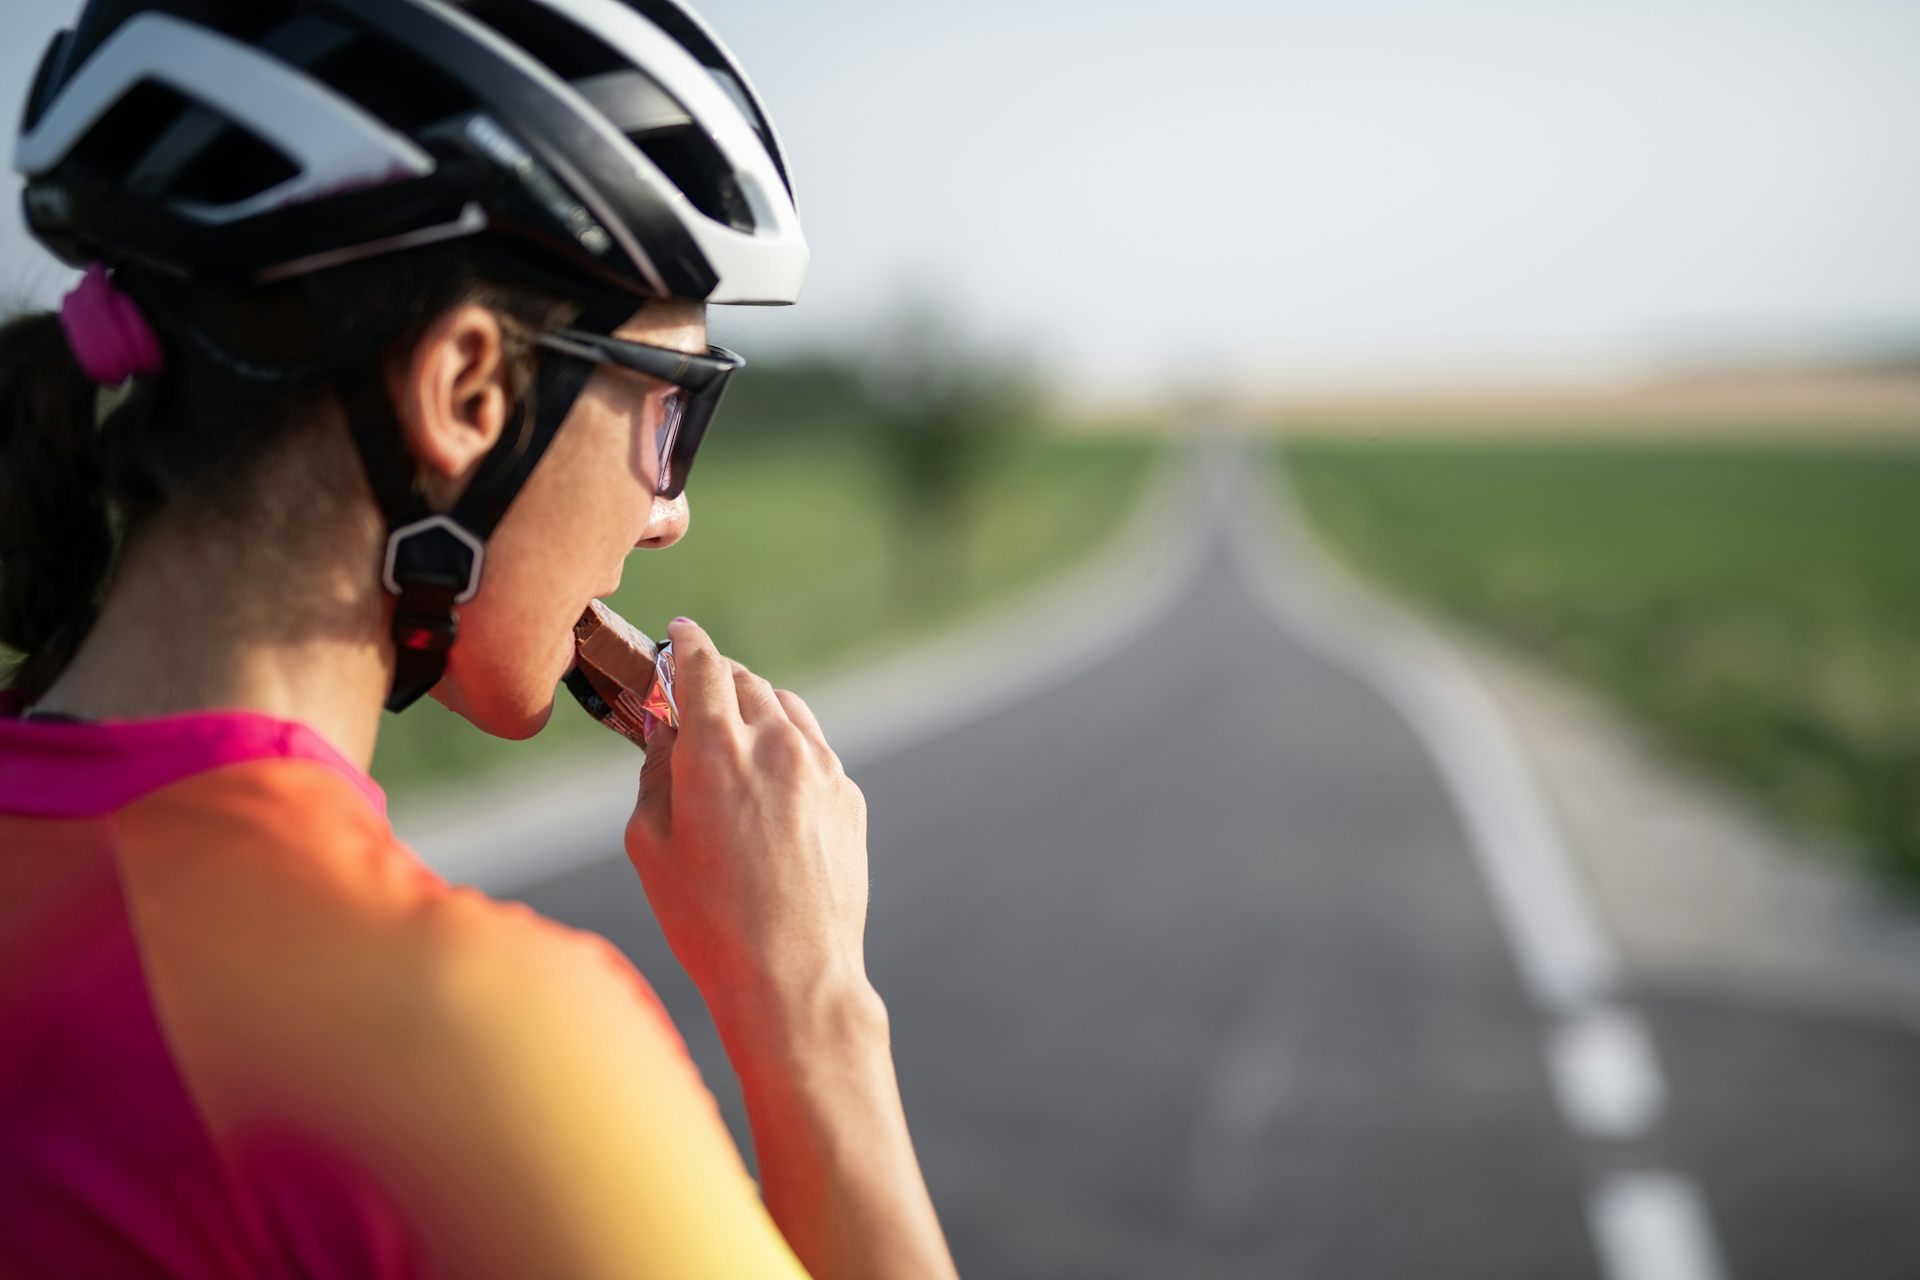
{"points": [[667, 525]]}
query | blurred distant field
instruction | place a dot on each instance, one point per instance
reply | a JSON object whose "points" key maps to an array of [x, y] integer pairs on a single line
{"points": [[1757, 605], [803, 555]]}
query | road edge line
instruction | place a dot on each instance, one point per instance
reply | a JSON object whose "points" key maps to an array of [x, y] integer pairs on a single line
{"points": [[1646, 1225]]}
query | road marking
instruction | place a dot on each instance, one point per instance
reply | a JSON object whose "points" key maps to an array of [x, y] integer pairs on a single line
{"points": [[1240, 1101], [1606, 1075], [1564, 958], [1653, 1226]]}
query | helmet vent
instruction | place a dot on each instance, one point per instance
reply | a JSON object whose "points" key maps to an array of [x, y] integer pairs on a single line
{"points": [[676, 22], [406, 92], [169, 147], [127, 133], [566, 50], [236, 165], [690, 160]]}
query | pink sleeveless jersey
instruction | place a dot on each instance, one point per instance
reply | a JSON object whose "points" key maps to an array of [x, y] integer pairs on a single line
{"points": [[245, 1032]]}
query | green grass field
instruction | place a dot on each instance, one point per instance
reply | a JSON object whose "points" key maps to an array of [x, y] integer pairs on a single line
{"points": [[1758, 607], [799, 557]]}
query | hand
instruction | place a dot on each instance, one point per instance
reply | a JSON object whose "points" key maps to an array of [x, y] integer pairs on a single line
{"points": [[751, 842]]}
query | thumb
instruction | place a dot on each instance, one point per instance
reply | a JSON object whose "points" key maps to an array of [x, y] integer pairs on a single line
{"points": [[656, 775]]}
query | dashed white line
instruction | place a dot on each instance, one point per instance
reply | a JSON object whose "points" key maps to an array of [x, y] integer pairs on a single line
{"points": [[1606, 1075], [1653, 1226], [1650, 1225], [1241, 1101]]}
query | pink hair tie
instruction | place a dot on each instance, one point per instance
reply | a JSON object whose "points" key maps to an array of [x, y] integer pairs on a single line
{"points": [[110, 338]]}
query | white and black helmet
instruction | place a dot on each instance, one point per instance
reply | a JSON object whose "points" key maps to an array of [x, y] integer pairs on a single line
{"points": [[230, 143], [609, 151]]}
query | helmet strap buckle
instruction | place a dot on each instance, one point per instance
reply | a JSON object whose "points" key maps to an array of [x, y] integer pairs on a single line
{"points": [[433, 566]]}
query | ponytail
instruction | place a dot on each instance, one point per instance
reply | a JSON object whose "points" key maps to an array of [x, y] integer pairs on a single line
{"points": [[56, 539]]}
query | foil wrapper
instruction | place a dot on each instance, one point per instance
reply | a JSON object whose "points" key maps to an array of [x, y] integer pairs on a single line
{"points": [[622, 678]]}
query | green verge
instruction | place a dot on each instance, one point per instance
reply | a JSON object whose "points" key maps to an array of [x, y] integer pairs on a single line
{"points": [[802, 556], [1757, 606]]}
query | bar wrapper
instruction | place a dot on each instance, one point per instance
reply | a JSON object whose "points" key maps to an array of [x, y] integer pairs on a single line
{"points": [[622, 678]]}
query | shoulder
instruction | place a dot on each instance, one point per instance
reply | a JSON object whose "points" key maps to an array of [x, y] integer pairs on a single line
{"points": [[512, 1084], [285, 867], [294, 816], [502, 968]]}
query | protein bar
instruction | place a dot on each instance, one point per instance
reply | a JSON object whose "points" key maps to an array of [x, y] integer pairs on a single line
{"points": [[622, 678]]}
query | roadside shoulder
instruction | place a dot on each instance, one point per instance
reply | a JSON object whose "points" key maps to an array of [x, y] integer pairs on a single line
{"points": [[1696, 885]]}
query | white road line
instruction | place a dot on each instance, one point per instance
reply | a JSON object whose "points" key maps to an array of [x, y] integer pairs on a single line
{"points": [[1646, 1226], [1564, 958], [565, 817], [1653, 1226], [1605, 1074]]}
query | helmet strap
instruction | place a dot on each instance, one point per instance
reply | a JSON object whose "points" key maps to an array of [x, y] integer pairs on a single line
{"points": [[435, 560]]}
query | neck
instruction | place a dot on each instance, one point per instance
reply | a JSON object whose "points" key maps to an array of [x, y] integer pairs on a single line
{"points": [[202, 624]]}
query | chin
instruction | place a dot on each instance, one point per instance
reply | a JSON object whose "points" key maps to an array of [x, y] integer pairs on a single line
{"points": [[525, 725], [515, 718]]}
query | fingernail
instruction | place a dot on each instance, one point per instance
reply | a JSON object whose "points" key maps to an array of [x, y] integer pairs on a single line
{"points": [[683, 619]]}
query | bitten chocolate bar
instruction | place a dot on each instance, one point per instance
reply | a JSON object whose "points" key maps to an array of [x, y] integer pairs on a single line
{"points": [[622, 678]]}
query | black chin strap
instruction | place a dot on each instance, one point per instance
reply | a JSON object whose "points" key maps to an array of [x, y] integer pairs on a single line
{"points": [[434, 559]]}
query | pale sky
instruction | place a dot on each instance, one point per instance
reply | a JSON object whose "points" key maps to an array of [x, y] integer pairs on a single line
{"points": [[1331, 191]]}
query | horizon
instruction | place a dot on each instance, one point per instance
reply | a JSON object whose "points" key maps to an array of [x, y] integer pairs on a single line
{"points": [[1318, 194]]}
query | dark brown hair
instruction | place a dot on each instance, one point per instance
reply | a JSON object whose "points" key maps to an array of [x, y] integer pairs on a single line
{"points": [[74, 487]]}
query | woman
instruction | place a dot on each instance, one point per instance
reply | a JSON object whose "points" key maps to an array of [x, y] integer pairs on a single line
{"points": [[408, 302]]}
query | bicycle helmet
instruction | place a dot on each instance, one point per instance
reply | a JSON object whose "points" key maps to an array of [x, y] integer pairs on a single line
{"points": [[612, 147]]}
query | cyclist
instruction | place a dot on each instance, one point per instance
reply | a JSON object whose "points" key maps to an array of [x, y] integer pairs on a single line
{"points": [[406, 302]]}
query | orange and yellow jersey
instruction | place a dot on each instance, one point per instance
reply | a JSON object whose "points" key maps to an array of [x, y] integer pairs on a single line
{"points": [[245, 1032]]}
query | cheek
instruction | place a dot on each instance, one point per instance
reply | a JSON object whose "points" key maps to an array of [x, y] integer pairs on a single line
{"points": [[582, 495], [605, 450], [560, 544]]}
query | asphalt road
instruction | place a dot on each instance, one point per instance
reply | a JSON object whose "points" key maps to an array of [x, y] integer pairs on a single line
{"points": [[1193, 973]]}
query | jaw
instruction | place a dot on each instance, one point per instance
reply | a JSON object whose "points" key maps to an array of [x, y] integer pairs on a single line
{"points": [[506, 708]]}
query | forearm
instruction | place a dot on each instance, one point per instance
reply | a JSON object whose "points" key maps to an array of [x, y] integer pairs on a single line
{"points": [[837, 1167]]}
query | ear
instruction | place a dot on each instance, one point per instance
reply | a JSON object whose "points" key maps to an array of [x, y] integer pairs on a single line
{"points": [[453, 399]]}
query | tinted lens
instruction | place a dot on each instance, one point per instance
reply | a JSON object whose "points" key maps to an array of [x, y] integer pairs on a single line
{"points": [[672, 414], [691, 430]]}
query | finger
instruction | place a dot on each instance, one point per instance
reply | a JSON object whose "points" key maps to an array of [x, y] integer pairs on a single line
{"points": [[802, 715], [756, 695], [803, 718], [656, 775], [702, 679], [652, 821]]}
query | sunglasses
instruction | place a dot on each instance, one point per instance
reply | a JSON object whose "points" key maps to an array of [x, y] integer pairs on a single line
{"points": [[698, 382]]}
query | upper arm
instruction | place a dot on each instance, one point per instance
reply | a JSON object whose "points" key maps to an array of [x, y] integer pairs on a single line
{"points": [[584, 1142]]}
